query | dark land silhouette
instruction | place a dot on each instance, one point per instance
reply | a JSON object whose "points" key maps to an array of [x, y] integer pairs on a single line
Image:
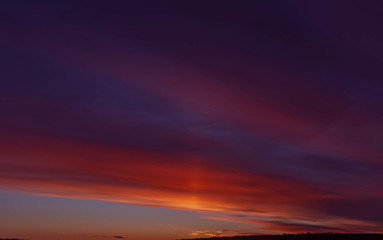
{"points": [[13, 239], [306, 236]]}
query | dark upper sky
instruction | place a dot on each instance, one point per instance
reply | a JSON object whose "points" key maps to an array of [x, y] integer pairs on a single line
{"points": [[264, 113]]}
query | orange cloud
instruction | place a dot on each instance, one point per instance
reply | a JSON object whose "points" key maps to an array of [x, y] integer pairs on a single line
{"points": [[52, 166], [57, 166]]}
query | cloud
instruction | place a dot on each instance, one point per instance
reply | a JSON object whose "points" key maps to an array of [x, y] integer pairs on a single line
{"points": [[221, 233], [283, 138], [104, 236], [180, 181]]}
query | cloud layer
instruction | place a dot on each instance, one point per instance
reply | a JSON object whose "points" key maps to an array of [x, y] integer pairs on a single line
{"points": [[263, 114]]}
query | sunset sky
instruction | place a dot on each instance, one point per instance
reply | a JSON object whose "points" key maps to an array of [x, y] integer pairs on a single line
{"points": [[157, 120]]}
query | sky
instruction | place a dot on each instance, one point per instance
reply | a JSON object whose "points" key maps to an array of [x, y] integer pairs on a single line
{"points": [[160, 120]]}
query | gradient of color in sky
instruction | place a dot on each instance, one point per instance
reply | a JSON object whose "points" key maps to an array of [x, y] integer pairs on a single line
{"points": [[168, 119]]}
